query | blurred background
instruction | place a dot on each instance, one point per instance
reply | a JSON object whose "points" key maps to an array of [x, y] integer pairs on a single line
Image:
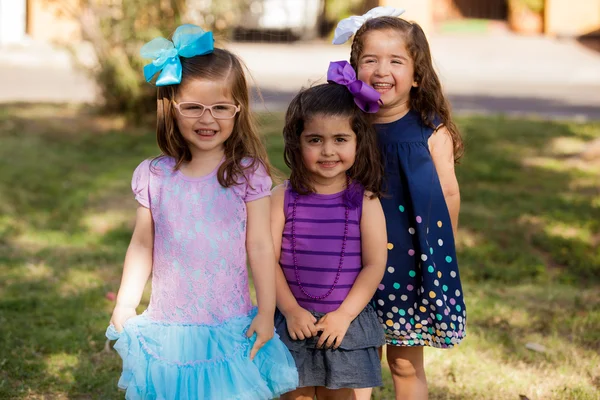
{"points": [[76, 117]]}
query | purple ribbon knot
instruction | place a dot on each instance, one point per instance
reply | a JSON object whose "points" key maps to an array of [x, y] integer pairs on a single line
{"points": [[365, 97]]}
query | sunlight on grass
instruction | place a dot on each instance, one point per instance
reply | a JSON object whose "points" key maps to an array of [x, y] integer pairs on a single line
{"points": [[567, 231], [61, 366], [561, 146], [34, 240], [494, 362], [479, 370], [549, 163], [467, 238], [76, 281], [104, 222]]}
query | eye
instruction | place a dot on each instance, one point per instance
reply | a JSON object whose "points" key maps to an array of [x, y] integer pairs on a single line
{"points": [[221, 107], [191, 106], [341, 140], [314, 140], [397, 62]]}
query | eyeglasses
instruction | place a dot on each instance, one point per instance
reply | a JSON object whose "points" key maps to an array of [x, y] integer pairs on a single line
{"points": [[196, 110]]}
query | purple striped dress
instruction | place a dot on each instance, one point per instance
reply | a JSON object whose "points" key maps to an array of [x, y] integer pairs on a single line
{"points": [[319, 230]]}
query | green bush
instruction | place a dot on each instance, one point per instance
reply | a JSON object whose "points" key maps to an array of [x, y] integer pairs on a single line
{"points": [[117, 29]]}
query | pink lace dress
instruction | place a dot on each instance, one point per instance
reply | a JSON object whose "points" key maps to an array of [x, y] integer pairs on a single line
{"points": [[190, 343]]}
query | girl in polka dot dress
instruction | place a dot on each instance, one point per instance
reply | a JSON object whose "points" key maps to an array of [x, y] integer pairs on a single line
{"points": [[420, 300]]}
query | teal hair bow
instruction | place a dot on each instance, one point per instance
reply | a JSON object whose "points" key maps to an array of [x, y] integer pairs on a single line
{"points": [[188, 41]]}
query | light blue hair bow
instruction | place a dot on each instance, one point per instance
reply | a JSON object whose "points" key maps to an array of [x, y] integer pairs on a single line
{"points": [[188, 41]]}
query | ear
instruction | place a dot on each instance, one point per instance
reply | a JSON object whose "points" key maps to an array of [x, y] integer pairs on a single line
{"points": [[415, 83]]}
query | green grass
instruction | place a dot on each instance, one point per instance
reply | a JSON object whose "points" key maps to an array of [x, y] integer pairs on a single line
{"points": [[528, 246]]}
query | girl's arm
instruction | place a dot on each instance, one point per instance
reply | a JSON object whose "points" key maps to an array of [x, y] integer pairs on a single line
{"points": [[137, 268], [259, 246], [285, 299], [300, 323], [441, 148], [373, 236]]}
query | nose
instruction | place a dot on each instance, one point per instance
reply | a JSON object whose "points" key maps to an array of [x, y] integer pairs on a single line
{"points": [[327, 149], [206, 116], [382, 69]]}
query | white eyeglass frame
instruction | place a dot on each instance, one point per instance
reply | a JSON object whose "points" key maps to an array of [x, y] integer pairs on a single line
{"points": [[209, 108]]}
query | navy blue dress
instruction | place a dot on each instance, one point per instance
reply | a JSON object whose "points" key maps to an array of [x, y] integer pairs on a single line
{"points": [[420, 300]]}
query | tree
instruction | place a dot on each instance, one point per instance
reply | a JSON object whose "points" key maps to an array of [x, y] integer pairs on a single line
{"points": [[117, 29]]}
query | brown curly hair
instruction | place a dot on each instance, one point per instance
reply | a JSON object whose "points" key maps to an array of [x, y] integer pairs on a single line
{"points": [[427, 98], [331, 99], [244, 148]]}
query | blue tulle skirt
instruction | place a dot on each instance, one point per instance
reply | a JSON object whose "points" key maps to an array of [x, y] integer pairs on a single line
{"points": [[179, 361]]}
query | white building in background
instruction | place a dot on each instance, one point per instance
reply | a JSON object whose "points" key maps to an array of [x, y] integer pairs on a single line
{"points": [[299, 17], [13, 21]]}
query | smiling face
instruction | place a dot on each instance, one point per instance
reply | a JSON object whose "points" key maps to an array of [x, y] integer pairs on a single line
{"points": [[328, 146], [386, 65], [205, 135]]}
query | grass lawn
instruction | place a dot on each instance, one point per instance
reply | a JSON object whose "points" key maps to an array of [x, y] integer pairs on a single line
{"points": [[528, 248]]}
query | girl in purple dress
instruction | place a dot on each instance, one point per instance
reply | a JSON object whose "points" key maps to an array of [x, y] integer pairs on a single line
{"points": [[330, 238], [203, 212]]}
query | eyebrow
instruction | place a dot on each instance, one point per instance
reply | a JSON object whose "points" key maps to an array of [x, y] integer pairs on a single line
{"points": [[311, 135], [393, 56]]}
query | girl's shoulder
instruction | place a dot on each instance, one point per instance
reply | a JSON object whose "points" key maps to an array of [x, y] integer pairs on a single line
{"points": [[162, 163], [151, 168], [256, 182], [156, 165], [145, 173]]}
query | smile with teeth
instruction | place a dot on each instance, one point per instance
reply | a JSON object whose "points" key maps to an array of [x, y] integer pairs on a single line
{"points": [[382, 86], [205, 132], [328, 164]]}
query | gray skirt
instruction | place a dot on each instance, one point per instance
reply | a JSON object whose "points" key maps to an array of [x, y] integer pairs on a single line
{"points": [[355, 364]]}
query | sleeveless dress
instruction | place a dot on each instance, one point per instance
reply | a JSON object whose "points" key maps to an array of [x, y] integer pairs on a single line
{"points": [[420, 299], [190, 343], [318, 223]]}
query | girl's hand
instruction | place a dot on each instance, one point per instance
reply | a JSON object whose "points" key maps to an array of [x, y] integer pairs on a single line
{"points": [[264, 327], [120, 315], [334, 326], [300, 324]]}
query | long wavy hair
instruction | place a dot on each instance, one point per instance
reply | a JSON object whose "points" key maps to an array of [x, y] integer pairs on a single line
{"points": [[427, 98], [326, 100], [244, 148]]}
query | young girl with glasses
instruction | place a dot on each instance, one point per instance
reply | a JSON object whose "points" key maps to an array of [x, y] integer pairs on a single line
{"points": [[204, 209]]}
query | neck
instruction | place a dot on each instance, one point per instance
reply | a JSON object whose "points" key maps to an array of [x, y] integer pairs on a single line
{"points": [[386, 115], [330, 186], [203, 163]]}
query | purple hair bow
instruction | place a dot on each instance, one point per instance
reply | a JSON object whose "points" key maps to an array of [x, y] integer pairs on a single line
{"points": [[365, 97]]}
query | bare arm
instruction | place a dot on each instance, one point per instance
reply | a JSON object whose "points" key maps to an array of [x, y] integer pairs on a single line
{"points": [[136, 269], [259, 246], [442, 153]]}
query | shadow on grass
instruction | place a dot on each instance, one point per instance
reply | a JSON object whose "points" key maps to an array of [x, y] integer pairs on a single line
{"points": [[530, 215], [527, 216], [52, 341]]}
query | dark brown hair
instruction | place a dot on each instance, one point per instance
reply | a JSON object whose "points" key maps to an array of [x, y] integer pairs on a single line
{"points": [[427, 98], [243, 149], [331, 99]]}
